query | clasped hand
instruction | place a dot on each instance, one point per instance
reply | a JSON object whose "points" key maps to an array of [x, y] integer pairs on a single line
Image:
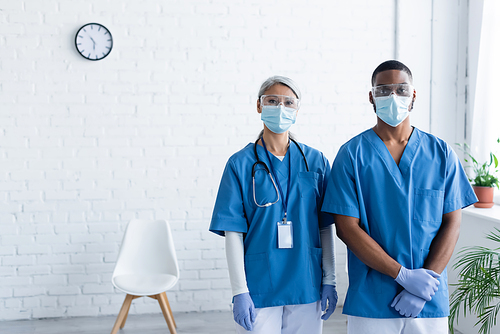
{"points": [[420, 285], [407, 304], [422, 282]]}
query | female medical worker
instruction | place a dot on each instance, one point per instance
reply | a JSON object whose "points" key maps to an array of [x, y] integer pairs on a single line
{"points": [[279, 246]]}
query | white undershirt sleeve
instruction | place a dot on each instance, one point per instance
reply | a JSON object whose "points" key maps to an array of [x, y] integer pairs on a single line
{"points": [[235, 255], [328, 245]]}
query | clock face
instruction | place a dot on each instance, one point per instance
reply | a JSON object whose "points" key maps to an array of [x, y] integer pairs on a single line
{"points": [[94, 41]]}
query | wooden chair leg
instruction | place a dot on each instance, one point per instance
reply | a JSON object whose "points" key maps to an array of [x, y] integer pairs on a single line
{"points": [[169, 309], [123, 314], [125, 317], [162, 299], [128, 310]]}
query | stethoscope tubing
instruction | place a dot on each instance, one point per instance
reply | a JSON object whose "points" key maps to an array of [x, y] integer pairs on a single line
{"points": [[264, 164], [260, 162]]}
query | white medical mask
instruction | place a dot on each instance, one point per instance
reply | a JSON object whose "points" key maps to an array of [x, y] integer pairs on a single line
{"points": [[392, 109], [278, 118]]}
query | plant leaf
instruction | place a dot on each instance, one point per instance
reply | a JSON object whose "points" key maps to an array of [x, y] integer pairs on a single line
{"points": [[478, 287]]}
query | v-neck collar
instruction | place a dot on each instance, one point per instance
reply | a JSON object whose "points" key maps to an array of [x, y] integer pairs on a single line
{"points": [[280, 167], [410, 151], [398, 172]]}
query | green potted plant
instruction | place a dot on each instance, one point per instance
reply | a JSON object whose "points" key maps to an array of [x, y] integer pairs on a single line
{"points": [[484, 177], [478, 287]]}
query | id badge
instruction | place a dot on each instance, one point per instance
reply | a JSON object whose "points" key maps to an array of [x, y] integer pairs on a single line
{"points": [[285, 234]]}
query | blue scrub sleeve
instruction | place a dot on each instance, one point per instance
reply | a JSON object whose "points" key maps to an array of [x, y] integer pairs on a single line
{"points": [[341, 196], [458, 191], [229, 212], [325, 219]]}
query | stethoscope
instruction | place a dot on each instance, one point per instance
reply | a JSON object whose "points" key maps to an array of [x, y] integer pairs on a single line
{"points": [[260, 162]]}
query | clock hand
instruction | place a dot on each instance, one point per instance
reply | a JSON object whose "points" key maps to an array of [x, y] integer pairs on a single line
{"points": [[93, 42]]}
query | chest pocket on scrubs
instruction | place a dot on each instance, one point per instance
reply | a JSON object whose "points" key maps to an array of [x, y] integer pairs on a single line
{"points": [[308, 184], [428, 205]]}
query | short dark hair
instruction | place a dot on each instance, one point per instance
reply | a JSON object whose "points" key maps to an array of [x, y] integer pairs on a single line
{"points": [[391, 65]]}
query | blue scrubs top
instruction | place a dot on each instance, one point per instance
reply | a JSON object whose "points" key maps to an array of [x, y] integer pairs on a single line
{"points": [[275, 276], [400, 207]]}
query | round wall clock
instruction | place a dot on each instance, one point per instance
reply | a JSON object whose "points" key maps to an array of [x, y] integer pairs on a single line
{"points": [[93, 41]]}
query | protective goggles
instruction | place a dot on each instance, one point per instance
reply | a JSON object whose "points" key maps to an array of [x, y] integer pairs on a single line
{"points": [[275, 100], [403, 90]]}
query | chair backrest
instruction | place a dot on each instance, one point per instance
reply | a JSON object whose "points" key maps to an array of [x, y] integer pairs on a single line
{"points": [[147, 248]]}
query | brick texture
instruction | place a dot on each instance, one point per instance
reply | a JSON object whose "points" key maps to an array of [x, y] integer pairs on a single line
{"points": [[145, 133]]}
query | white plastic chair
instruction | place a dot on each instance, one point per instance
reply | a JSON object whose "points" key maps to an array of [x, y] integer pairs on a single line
{"points": [[146, 266]]}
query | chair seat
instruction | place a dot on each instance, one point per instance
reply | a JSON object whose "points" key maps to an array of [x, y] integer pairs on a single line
{"points": [[144, 285]]}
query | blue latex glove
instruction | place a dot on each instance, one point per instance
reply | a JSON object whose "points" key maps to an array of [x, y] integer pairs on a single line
{"points": [[244, 311], [422, 283], [407, 304], [328, 293]]}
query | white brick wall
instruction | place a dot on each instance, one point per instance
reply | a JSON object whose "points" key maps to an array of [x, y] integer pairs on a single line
{"points": [[146, 132]]}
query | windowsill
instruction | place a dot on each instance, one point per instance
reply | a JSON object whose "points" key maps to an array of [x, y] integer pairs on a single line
{"points": [[492, 214]]}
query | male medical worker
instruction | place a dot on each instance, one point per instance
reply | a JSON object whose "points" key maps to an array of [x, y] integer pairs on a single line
{"points": [[396, 193]]}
